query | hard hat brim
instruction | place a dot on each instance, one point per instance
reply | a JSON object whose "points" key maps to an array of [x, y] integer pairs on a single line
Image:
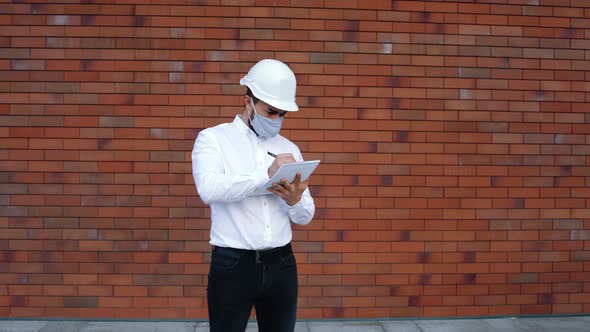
{"points": [[289, 106]]}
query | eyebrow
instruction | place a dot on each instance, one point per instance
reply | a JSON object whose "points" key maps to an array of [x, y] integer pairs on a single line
{"points": [[272, 110]]}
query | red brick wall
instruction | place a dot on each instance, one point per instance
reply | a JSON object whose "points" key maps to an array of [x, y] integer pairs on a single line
{"points": [[454, 138]]}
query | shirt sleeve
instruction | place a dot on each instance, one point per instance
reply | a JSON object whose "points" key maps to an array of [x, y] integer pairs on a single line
{"points": [[302, 212], [213, 185]]}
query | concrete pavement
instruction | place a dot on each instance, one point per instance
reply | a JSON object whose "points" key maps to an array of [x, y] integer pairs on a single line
{"points": [[504, 324]]}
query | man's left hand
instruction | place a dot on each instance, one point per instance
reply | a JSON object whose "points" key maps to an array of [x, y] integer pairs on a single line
{"points": [[290, 192]]}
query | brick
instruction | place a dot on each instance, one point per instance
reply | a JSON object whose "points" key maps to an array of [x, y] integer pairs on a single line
{"points": [[326, 58], [81, 302], [116, 121]]}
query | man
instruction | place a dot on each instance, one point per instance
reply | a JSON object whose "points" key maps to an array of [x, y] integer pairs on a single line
{"points": [[252, 263]]}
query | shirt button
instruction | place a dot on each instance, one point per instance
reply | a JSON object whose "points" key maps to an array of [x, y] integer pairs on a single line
{"points": [[264, 203]]}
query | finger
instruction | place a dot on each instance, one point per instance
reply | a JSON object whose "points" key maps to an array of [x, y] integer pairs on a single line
{"points": [[300, 187], [297, 180], [275, 188], [278, 186], [274, 191], [277, 192], [288, 186]]}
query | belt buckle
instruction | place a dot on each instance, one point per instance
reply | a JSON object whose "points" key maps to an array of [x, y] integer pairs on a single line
{"points": [[258, 257]]}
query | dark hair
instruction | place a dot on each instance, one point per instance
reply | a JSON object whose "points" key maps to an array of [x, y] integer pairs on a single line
{"points": [[249, 93]]}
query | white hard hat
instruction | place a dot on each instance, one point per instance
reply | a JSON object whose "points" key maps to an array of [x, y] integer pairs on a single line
{"points": [[274, 83]]}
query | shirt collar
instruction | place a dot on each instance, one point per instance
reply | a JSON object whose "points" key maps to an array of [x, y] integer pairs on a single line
{"points": [[243, 127]]}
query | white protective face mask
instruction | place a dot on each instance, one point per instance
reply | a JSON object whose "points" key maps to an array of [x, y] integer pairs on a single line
{"points": [[264, 126]]}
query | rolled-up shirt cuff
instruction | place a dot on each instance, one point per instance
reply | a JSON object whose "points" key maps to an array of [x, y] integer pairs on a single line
{"points": [[297, 212]]}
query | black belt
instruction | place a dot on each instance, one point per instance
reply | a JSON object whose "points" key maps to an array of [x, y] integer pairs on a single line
{"points": [[283, 251]]}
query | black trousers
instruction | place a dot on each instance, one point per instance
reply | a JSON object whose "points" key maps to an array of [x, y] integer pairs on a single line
{"points": [[242, 279]]}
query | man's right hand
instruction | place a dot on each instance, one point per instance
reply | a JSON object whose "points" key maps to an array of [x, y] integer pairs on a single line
{"points": [[283, 158]]}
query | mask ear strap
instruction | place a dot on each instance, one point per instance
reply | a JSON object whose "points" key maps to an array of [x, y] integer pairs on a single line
{"points": [[251, 116]]}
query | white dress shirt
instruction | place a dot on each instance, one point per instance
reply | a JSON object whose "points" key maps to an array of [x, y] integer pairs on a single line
{"points": [[229, 162]]}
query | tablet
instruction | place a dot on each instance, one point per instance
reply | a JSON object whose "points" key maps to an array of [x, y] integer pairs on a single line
{"points": [[288, 171]]}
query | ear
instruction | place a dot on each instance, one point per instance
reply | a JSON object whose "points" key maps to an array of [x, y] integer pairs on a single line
{"points": [[247, 113], [247, 102]]}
